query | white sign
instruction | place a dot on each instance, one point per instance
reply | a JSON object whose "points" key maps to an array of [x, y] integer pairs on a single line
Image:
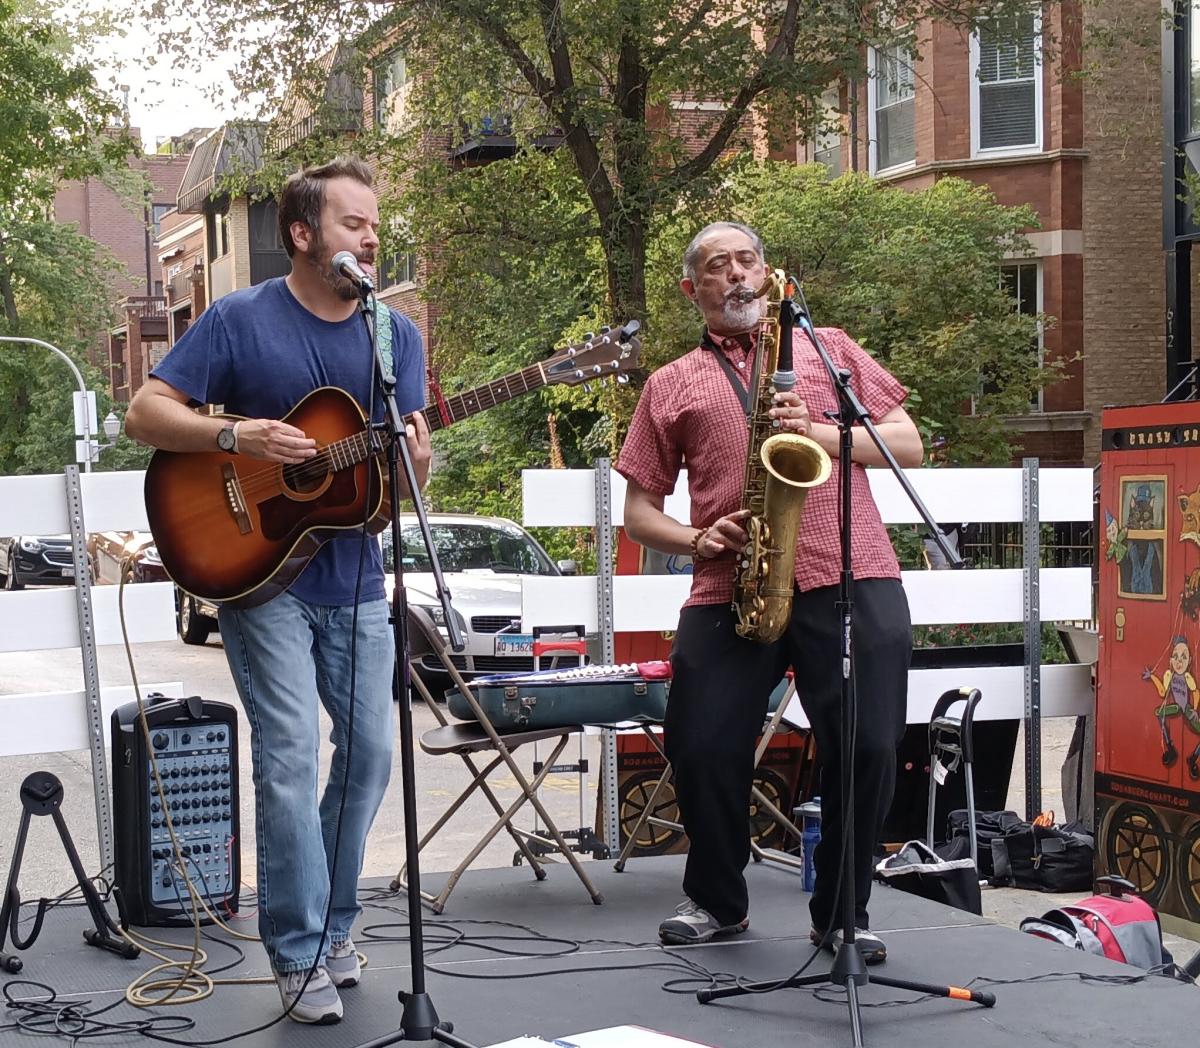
{"points": [[80, 418]]}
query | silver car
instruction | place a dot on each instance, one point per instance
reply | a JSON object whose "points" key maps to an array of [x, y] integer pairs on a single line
{"points": [[482, 559]]}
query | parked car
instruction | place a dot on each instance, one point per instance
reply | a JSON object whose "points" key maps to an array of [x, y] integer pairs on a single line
{"points": [[36, 560], [482, 559], [107, 551]]}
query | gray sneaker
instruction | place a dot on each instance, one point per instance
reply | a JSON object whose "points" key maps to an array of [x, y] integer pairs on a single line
{"points": [[343, 965], [869, 944], [317, 1002], [692, 925]]}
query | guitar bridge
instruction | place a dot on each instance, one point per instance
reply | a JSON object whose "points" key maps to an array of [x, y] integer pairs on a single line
{"points": [[234, 498]]}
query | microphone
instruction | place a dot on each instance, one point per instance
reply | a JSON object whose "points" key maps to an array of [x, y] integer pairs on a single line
{"points": [[345, 264]]}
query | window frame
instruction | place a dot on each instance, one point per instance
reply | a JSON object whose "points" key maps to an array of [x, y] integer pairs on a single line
{"points": [[1038, 405], [1038, 98], [873, 109], [382, 116], [831, 113]]}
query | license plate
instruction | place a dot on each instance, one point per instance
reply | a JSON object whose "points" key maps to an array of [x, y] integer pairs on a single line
{"points": [[514, 644], [68, 572]]}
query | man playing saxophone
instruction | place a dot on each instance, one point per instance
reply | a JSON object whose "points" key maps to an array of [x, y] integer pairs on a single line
{"points": [[693, 411]]}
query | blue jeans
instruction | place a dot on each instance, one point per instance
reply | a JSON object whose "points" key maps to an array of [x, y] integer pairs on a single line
{"points": [[285, 656]]}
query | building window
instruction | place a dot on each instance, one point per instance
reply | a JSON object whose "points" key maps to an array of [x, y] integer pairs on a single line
{"points": [[826, 145], [389, 78], [396, 268], [891, 104], [1023, 282], [218, 235], [1006, 88], [156, 216]]}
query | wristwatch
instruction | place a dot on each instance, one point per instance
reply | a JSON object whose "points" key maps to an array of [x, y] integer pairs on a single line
{"points": [[226, 438]]}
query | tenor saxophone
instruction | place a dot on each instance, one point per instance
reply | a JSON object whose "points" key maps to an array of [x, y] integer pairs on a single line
{"points": [[781, 469]]}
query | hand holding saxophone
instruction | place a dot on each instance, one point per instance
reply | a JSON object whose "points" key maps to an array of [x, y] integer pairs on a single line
{"points": [[724, 533], [791, 413]]}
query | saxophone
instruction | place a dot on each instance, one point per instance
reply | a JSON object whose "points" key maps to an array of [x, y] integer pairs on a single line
{"points": [[781, 468]]}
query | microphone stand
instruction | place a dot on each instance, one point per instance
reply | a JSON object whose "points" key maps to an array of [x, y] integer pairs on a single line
{"points": [[849, 969], [419, 1020]]}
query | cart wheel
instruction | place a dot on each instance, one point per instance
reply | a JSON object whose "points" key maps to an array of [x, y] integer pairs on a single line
{"points": [[764, 830], [1189, 871], [1136, 848], [518, 858], [635, 795]]}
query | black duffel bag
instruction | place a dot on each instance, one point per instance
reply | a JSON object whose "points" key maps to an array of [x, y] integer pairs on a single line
{"points": [[1044, 858], [989, 826]]}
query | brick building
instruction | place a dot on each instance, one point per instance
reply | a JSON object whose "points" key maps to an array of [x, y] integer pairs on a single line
{"points": [[1084, 153]]}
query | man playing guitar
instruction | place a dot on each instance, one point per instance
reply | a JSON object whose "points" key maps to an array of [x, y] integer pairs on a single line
{"points": [[258, 352]]}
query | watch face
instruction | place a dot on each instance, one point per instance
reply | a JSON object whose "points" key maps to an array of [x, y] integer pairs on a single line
{"points": [[225, 439]]}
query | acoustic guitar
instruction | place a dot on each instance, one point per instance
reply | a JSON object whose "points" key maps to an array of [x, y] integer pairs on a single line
{"points": [[237, 530]]}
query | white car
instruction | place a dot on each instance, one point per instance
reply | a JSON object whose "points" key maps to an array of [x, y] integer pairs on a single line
{"points": [[482, 559]]}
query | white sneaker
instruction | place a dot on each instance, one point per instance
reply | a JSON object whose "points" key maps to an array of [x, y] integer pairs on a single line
{"points": [[343, 965], [317, 1002], [691, 925]]}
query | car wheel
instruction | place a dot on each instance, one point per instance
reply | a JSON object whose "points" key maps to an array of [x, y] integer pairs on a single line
{"points": [[194, 628], [11, 582]]}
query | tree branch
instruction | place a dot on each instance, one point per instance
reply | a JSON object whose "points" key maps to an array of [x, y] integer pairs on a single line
{"points": [[779, 49], [656, 55]]}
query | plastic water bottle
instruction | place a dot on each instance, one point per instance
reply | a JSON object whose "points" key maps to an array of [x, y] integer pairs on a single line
{"points": [[810, 812]]}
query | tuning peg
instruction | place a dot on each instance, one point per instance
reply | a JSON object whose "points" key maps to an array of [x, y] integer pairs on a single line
{"points": [[630, 329], [622, 380], [606, 329], [587, 387]]}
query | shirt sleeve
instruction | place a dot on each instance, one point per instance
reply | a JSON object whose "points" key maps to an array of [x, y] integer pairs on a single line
{"points": [[650, 456], [409, 357], [200, 364], [877, 388]]}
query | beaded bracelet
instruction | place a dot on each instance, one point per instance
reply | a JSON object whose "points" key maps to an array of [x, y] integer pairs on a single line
{"points": [[696, 554]]}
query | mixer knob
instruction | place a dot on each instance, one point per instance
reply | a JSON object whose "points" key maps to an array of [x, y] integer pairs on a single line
{"points": [[160, 740]]}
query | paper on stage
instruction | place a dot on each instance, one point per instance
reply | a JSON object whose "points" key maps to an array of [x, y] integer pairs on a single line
{"points": [[615, 1037]]}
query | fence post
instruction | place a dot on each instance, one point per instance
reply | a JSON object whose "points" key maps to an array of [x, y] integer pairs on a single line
{"points": [[605, 621], [91, 673], [1031, 516]]}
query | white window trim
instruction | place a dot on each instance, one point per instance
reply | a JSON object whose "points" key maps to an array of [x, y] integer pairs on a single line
{"points": [[1038, 77], [872, 143]]}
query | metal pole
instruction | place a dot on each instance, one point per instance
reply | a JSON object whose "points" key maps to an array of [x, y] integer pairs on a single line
{"points": [[91, 672], [604, 599], [1033, 640], [87, 422]]}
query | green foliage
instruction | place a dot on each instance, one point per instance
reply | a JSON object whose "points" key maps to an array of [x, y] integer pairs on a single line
{"points": [[53, 281]]}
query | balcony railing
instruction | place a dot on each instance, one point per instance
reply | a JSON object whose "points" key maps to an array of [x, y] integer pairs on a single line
{"points": [[145, 306]]}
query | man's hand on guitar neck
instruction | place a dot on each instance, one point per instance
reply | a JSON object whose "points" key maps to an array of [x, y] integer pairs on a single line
{"points": [[265, 438], [419, 447]]}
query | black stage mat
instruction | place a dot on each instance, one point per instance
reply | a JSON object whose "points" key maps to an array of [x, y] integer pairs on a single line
{"points": [[926, 942]]}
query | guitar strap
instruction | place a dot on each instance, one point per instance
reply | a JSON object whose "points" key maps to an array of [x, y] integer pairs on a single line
{"points": [[383, 328]]}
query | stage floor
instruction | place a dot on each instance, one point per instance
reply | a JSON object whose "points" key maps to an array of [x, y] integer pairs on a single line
{"points": [[492, 989]]}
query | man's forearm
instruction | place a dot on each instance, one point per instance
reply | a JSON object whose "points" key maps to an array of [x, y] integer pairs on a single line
{"points": [[168, 424], [654, 529]]}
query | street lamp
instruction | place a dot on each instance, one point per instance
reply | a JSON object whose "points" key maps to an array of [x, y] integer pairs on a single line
{"points": [[87, 425]]}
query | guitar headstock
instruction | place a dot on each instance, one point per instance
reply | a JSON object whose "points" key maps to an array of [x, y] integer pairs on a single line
{"points": [[614, 351]]}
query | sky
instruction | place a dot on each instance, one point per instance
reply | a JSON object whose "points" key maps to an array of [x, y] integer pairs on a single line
{"points": [[163, 101]]}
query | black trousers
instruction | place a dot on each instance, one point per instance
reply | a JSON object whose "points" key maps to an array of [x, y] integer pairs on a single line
{"points": [[717, 708]]}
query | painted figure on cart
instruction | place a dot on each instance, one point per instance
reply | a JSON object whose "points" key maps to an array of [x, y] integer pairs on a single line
{"points": [[1177, 690]]}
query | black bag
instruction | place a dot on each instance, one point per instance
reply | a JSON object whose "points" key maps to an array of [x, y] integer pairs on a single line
{"points": [[919, 870], [1044, 858], [989, 825]]}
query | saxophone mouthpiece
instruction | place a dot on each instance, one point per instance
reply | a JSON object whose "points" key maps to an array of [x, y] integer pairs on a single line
{"points": [[775, 279]]}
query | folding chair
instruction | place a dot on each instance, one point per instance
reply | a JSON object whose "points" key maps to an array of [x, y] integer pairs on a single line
{"points": [[470, 739], [653, 812]]}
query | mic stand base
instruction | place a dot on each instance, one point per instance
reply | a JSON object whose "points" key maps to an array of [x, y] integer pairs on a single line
{"points": [[850, 971], [419, 1023]]}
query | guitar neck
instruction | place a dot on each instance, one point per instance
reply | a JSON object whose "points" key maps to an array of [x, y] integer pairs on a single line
{"points": [[447, 410]]}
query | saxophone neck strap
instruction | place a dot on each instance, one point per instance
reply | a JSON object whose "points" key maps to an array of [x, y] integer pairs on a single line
{"points": [[741, 391]]}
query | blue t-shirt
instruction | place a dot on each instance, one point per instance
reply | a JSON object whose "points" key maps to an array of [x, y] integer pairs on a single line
{"points": [[259, 352]]}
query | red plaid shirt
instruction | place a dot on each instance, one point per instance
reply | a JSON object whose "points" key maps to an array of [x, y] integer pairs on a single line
{"points": [[688, 413]]}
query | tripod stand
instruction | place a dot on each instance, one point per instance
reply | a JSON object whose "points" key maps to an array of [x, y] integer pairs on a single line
{"points": [[419, 1019], [849, 969]]}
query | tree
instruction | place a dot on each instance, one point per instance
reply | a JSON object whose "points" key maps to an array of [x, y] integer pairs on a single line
{"points": [[600, 75], [53, 281]]}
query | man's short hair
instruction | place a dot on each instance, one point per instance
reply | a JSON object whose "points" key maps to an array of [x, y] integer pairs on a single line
{"points": [[303, 194], [692, 254]]}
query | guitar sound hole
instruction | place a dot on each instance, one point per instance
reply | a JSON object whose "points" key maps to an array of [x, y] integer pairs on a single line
{"points": [[304, 477]]}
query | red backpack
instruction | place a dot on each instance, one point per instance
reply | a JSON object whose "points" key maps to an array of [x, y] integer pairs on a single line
{"points": [[1119, 926]]}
